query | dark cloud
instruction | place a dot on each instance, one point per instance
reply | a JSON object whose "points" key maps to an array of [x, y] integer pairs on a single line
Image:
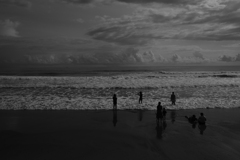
{"points": [[58, 51], [177, 2], [158, 18], [198, 55], [148, 56], [215, 21], [19, 3], [228, 34], [162, 1], [117, 34], [228, 15], [237, 58], [79, 1], [88, 2], [226, 58], [126, 55], [176, 58]]}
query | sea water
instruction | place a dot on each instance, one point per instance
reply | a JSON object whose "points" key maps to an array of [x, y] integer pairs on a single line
{"points": [[192, 89]]}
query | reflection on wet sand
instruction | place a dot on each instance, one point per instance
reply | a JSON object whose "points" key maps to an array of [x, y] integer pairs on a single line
{"points": [[202, 128], [173, 116], [140, 115], [115, 117], [161, 126]]}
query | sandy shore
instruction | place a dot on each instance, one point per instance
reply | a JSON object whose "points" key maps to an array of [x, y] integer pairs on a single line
{"points": [[92, 135]]}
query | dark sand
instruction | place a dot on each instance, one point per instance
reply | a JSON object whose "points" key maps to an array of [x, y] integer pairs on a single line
{"points": [[91, 135]]}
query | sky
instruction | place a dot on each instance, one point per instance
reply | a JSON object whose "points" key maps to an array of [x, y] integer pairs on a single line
{"points": [[119, 31]]}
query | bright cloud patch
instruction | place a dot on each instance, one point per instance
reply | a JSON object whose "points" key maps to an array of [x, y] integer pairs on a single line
{"points": [[8, 28]]}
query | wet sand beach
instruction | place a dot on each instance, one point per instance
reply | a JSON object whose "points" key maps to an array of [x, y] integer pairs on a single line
{"points": [[68, 134]]}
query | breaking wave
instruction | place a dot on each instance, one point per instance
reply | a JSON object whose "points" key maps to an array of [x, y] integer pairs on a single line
{"points": [[193, 89]]}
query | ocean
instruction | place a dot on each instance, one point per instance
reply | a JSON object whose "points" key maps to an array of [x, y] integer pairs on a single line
{"points": [[93, 90]]}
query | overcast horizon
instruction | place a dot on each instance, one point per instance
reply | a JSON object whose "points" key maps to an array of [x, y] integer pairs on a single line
{"points": [[119, 31]]}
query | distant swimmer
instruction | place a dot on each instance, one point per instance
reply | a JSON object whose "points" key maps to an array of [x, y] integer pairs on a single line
{"points": [[173, 98], [202, 123], [193, 120], [140, 97], [202, 120], [114, 101]]}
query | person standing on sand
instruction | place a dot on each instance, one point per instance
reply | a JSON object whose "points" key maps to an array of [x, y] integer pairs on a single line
{"points": [[140, 97], [159, 112], [114, 101], [173, 98]]}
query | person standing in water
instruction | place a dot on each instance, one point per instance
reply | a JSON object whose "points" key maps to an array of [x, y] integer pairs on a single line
{"points": [[202, 123], [159, 112], [173, 98], [202, 120], [114, 101], [140, 97]]}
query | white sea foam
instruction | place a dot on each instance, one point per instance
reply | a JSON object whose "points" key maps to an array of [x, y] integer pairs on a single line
{"points": [[193, 89]]}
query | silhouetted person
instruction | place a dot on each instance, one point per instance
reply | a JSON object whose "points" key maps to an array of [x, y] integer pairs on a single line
{"points": [[173, 116], [159, 112], [173, 98], [202, 120], [193, 120], [114, 101], [164, 112], [140, 97], [202, 128], [114, 117]]}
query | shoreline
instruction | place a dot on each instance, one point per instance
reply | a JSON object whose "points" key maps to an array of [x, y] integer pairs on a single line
{"points": [[120, 109]]}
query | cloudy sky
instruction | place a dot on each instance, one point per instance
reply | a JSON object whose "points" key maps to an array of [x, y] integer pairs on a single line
{"points": [[124, 30]]}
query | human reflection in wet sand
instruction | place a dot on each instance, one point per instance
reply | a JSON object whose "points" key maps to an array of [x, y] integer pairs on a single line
{"points": [[159, 129], [140, 114], [164, 124], [202, 128], [114, 117], [173, 116], [161, 126]]}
